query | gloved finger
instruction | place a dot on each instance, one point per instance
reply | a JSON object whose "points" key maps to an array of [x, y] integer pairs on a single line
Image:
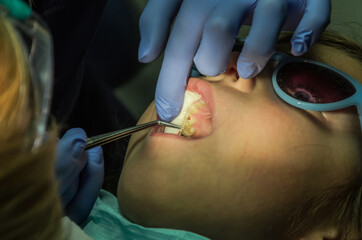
{"points": [[71, 157], [267, 22], [154, 25], [218, 37], [68, 181], [69, 145], [90, 184], [315, 20], [69, 193], [180, 51]]}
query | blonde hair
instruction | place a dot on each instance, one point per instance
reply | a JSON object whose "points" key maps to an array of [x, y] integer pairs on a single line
{"points": [[29, 206], [341, 205]]}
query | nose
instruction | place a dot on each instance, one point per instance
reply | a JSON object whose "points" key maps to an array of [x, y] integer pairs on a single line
{"points": [[232, 79]]}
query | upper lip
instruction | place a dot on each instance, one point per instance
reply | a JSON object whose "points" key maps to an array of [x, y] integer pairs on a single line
{"points": [[203, 88]]}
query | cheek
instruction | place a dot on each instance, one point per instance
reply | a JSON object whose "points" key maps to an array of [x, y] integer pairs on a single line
{"points": [[269, 182], [345, 120], [265, 128], [274, 149]]}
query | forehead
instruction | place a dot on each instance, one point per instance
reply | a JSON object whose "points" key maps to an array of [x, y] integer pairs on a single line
{"points": [[334, 57]]}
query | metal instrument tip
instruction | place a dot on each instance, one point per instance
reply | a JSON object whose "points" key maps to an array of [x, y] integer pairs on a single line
{"points": [[167, 124]]}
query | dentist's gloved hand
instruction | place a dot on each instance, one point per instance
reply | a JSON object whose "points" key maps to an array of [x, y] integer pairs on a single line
{"points": [[79, 173], [205, 30]]}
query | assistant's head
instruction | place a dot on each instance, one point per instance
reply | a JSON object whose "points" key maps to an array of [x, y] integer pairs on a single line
{"points": [[29, 207], [264, 166]]}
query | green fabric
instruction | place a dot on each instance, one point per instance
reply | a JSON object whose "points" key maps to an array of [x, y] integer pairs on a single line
{"points": [[17, 8], [106, 222], [72, 231]]}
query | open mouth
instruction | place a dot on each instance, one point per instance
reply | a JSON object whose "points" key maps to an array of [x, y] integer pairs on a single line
{"points": [[196, 113]]}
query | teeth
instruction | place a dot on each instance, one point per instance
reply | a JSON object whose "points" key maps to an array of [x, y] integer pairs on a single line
{"points": [[190, 119], [192, 109], [188, 132], [185, 119], [188, 128]]}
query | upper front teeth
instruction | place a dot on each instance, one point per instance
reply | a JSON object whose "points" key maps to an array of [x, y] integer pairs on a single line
{"points": [[185, 119]]}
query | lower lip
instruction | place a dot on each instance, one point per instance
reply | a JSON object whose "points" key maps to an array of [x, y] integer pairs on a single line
{"points": [[158, 131]]}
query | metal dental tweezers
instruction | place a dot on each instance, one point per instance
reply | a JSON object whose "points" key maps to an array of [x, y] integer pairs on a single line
{"points": [[115, 135]]}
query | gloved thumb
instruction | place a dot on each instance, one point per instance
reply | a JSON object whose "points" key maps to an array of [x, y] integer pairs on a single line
{"points": [[90, 183], [71, 157]]}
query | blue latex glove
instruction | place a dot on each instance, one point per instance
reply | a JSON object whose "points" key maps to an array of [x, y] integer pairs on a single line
{"points": [[205, 30], [79, 173], [17, 8]]}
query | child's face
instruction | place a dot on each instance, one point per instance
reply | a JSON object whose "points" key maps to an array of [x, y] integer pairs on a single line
{"points": [[260, 159]]}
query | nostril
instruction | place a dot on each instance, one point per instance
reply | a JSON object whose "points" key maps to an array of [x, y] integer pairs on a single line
{"points": [[232, 71]]}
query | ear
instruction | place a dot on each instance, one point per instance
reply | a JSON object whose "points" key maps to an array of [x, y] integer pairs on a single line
{"points": [[321, 234]]}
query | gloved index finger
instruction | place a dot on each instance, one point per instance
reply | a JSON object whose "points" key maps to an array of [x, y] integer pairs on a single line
{"points": [[314, 21], [154, 25], [267, 22], [180, 51]]}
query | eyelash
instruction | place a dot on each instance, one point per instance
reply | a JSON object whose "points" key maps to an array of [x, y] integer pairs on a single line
{"points": [[306, 90]]}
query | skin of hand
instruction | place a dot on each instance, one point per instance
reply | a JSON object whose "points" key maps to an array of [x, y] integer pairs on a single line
{"points": [[79, 173], [204, 29]]}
